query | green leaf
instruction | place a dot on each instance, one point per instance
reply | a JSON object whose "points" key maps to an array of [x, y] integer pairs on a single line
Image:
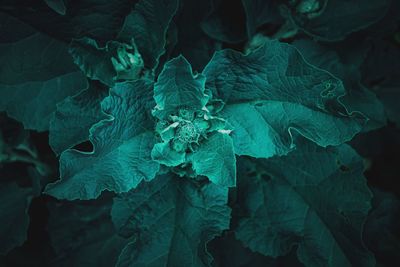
{"points": [[82, 234], [170, 221], [122, 145], [73, 118], [37, 73], [147, 24], [272, 93], [314, 198], [178, 87], [334, 20], [215, 159]]}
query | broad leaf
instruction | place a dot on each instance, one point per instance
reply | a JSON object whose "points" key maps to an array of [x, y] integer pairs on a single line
{"points": [[272, 93], [178, 87], [147, 24], [170, 221], [37, 73], [82, 234], [314, 198], [122, 146], [333, 20], [73, 118], [358, 98], [215, 159], [57, 5]]}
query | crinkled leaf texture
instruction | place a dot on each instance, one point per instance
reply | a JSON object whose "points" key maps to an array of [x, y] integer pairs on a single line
{"points": [[147, 24], [170, 221], [82, 234], [339, 18], [73, 118], [272, 93], [216, 160], [314, 198], [37, 72], [122, 144], [177, 87]]}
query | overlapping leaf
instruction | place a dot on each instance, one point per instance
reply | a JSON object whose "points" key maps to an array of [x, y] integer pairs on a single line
{"points": [[122, 145], [272, 93], [170, 221], [314, 198]]}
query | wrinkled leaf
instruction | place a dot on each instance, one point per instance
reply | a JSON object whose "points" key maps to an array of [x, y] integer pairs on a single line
{"points": [[272, 93], [122, 146], [170, 220], [315, 198], [73, 118]]}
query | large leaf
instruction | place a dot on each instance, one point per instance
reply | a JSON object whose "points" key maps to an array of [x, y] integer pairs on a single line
{"points": [[82, 234], [215, 159], [358, 97], [170, 220], [334, 20], [147, 24], [272, 93], [314, 198], [73, 118], [37, 73], [178, 87], [122, 146]]}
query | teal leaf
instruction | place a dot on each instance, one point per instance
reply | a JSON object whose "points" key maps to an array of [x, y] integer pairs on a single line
{"points": [[122, 145], [381, 228], [82, 234], [57, 5], [258, 13], [178, 87], [164, 154], [73, 118], [14, 204], [334, 20], [272, 94], [358, 97], [170, 221], [215, 159], [315, 199], [106, 63], [37, 72], [147, 24], [15, 201]]}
